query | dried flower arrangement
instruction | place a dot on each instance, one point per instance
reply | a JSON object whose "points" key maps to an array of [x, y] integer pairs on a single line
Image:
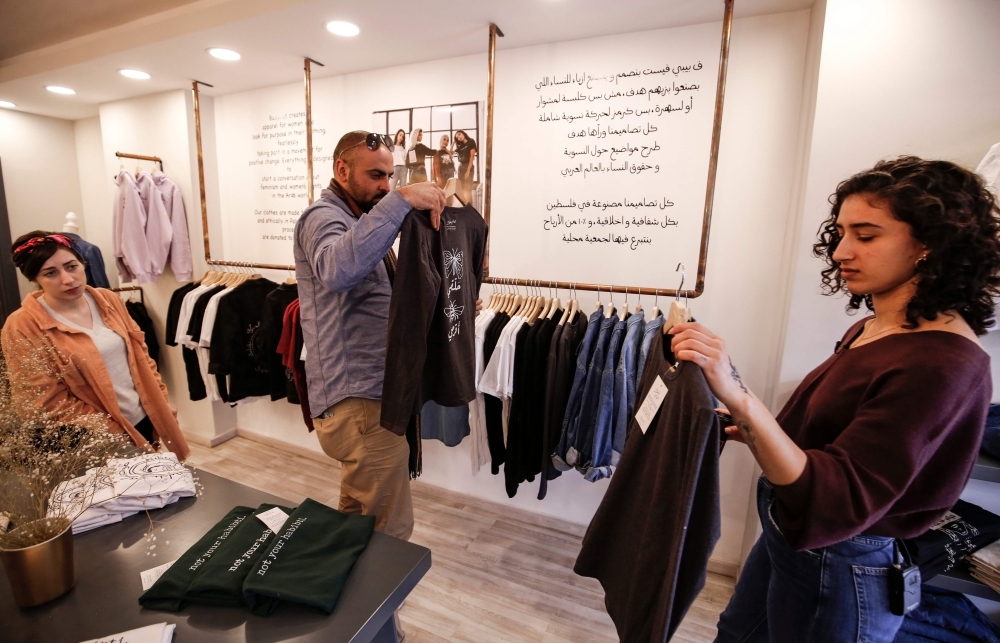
{"points": [[38, 452]]}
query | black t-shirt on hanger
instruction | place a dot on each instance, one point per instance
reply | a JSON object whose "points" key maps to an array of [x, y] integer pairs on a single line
{"points": [[236, 340], [650, 540], [492, 405], [431, 351], [270, 330]]}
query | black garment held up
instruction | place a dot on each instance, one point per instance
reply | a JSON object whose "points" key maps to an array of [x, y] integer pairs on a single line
{"points": [[432, 341]]}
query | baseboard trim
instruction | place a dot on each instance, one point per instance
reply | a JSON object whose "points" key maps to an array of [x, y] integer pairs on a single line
{"points": [[214, 441], [285, 446], [729, 570]]}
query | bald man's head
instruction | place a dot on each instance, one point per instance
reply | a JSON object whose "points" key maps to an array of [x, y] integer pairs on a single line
{"points": [[363, 173]]}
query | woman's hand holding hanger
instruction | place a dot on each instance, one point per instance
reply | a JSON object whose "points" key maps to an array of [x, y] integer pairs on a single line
{"points": [[779, 457]]}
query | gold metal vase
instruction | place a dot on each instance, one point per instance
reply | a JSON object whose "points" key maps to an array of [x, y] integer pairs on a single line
{"points": [[42, 572]]}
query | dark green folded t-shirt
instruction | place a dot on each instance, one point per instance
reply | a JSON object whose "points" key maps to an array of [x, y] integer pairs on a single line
{"points": [[219, 582], [310, 559], [167, 593]]}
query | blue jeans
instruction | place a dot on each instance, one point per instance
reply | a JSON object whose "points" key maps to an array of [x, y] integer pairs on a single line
{"points": [[835, 594]]}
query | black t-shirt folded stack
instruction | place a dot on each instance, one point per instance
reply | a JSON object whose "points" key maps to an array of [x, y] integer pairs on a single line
{"points": [[310, 560], [963, 530], [219, 582], [168, 592]]}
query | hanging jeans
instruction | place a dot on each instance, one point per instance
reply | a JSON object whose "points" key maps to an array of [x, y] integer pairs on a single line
{"points": [[836, 594]]}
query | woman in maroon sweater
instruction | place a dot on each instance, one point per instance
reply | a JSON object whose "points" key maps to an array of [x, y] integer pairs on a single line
{"points": [[878, 442]]}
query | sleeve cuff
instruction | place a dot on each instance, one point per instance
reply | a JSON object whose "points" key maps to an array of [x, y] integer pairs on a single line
{"points": [[394, 206]]}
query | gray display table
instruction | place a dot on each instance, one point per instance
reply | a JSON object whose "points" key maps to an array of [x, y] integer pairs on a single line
{"points": [[109, 560]]}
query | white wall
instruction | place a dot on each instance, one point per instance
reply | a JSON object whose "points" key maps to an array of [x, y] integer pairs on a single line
{"points": [[161, 125], [896, 77], [38, 155], [95, 186]]}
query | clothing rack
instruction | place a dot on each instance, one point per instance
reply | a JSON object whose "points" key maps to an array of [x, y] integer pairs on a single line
{"points": [[131, 288], [713, 164], [201, 171], [141, 157]]}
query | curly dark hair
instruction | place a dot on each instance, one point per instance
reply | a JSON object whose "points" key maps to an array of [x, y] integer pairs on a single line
{"points": [[951, 211]]}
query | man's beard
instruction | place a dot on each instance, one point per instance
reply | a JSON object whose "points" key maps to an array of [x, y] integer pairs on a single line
{"points": [[365, 201]]}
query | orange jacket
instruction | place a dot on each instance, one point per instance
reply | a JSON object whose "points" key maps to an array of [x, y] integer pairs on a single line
{"points": [[81, 384]]}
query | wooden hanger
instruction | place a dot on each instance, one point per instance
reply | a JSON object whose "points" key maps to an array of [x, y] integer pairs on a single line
{"points": [[679, 313]]}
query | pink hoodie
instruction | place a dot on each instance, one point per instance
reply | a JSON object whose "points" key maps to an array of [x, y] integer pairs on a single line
{"points": [[180, 241], [129, 220]]}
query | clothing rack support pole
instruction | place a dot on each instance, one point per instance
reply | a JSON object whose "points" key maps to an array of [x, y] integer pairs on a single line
{"points": [[713, 161], [488, 165], [201, 170], [309, 132]]}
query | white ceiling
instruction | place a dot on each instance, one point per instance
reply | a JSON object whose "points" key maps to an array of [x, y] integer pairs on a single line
{"points": [[393, 32]]}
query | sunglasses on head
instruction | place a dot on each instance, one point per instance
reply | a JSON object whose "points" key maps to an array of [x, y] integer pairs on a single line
{"points": [[372, 141]]}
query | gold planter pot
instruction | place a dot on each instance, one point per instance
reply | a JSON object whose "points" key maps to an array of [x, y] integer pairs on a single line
{"points": [[42, 572]]}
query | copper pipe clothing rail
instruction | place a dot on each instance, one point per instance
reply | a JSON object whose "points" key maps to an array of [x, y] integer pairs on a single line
{"points": [[713, 164], [141, 157]]}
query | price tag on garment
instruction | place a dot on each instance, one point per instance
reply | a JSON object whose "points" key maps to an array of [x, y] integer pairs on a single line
{"points": [[657, 393], [948, 518], [150, 576], [273, 518]]}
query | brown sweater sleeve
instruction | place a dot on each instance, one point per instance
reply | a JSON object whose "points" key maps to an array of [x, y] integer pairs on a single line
{"points": [[922, 414]]}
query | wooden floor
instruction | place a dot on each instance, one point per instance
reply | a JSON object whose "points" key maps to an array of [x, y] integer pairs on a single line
{"points": [[498, 573]]}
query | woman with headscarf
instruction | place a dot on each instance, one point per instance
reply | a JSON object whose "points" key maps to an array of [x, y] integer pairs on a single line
{"points": [[415, 157]]}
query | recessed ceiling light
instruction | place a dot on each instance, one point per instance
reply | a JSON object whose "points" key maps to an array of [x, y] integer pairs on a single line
{"points": [[55, 89], [341, 28], [133, 73], [224, 54], [7, 104]]}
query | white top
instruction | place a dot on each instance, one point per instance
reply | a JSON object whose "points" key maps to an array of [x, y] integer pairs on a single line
{"points": [[494, 379], [477, 407], [184, 319], [113, 351], [398, 155], [205, 343]]}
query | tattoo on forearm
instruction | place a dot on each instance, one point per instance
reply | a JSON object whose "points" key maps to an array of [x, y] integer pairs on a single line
{"points": [[736, 376], [748, 435]]}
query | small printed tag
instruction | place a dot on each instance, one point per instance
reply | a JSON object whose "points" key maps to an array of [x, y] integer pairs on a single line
{"points": [[651, 404], [150, 576], [949, 517], [273, 518]]}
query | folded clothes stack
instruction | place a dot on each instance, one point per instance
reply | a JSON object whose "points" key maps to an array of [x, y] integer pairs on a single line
{"points": [[985, 565], [125, 487], [306, 559], [962, 531]]}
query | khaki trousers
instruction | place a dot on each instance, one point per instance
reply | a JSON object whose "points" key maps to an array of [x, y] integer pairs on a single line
{"points": [[375, 478]]}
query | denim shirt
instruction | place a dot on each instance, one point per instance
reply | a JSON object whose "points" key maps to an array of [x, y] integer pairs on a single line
{"points": [[653, 326], [579, 453], [344, 294], [626, 376], [597, 444], [571, 417]]}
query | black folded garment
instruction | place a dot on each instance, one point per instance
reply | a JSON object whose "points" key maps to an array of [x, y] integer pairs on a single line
{"points": [[965, 529], [220, 580], [310, 560], [167, 593]]}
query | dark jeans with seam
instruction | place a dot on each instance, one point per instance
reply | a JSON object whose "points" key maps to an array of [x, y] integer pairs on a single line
{"points": [[836, 594]]}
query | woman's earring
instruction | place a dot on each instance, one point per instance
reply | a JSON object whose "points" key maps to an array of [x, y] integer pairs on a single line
{"points": [[917, 264]]}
